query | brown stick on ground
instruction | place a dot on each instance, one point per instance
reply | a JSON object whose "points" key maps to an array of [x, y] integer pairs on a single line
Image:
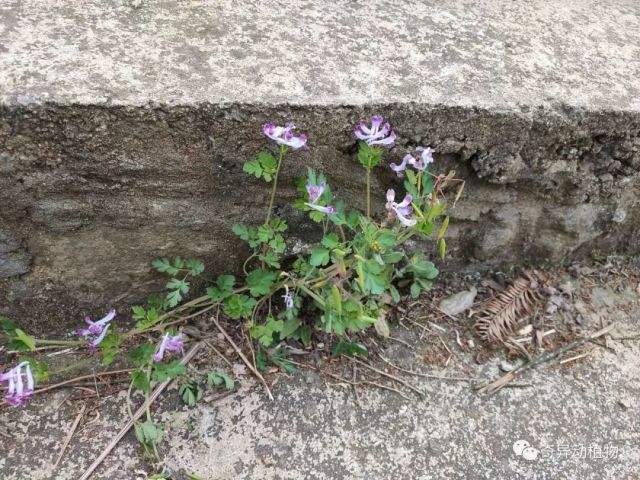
{"points": [[253, 369], [156, 393], [493, 387], [70, 435]]}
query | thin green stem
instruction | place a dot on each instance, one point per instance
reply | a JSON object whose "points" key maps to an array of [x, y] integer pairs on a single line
{"points": [[283, 150], [368, 193]]}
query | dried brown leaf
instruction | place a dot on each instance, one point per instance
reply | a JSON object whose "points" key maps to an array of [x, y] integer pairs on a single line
{"points": [[500, 315]]}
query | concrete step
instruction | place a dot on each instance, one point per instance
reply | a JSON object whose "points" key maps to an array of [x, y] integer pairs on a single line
{"points": [[123, 129]]}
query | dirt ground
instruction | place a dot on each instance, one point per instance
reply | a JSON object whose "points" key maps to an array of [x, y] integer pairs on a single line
{"points": [[412, 410]]}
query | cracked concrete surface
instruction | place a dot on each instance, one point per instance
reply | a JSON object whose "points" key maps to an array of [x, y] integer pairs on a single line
{"points": [[581, 419], [486, 54]]}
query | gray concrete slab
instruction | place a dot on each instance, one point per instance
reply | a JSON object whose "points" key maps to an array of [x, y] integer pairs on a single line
{"points": [[581, 419], [496, 54]]}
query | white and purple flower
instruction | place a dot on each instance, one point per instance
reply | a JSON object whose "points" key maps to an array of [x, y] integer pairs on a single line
{"points": [[97, 330], [169, 343], [377, 134], [283, 135], [17, 393], [288, 298], [315, 192], [402, 211], [426, 158]]}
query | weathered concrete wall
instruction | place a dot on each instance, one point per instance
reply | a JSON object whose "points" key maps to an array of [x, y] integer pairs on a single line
{"points": [[123, 131], [90, 195]]}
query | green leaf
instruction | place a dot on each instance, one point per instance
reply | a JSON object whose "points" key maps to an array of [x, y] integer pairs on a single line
{"points": [[427, 182], [164, 265], [270, 259], [350, 349], [319, 257], [411, 189], [110, 347], [177, 284], [8, 327], [369, 157], [268, 162], [253, 167], [264, 332], [223, 289], [148, 432], [28, 341], [139, 312], [387, 239], [242, 231], [392, 257], [260, 281], [174, 298], [218, 378], [411, 176], [415, 290], [141, 356], [239, 306], [443, 228], [290, 326], [443, 248], [195, 266], [395, 295], [164, 371], [374, 280], [190, 392], [330, 240], [140, 381]]}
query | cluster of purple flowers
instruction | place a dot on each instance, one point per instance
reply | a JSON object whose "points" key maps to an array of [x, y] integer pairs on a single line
{"points": [[17, 392], [426, 157], [169, 343], [315, 192], [283, 135], [96, 331], [402, 211], [375, 134]]}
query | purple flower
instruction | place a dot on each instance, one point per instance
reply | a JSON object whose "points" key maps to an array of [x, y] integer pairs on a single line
{"points": [[426, 158], [97, 330], [283, 135], [16, 393], [399, 169], [171, 344], [95, 341], [401, 210], [328, 210], [375, 135], [315, 192], [288, 298]]}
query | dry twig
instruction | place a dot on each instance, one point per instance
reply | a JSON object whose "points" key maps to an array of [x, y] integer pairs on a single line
{"points": [[70, 435], [388, 375], [426, 375], [141, 411], [547, 357], [253, 369]]}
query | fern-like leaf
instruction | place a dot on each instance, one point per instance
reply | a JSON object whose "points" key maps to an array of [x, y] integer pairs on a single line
{"points": [[503, 313]]}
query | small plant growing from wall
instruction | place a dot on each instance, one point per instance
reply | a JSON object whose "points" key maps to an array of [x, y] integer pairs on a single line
{"points": [[345, 284]]}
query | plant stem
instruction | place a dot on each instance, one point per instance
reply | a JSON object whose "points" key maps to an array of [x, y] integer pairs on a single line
{"points": [[283, 150], [71, 343], [368, 193]]}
